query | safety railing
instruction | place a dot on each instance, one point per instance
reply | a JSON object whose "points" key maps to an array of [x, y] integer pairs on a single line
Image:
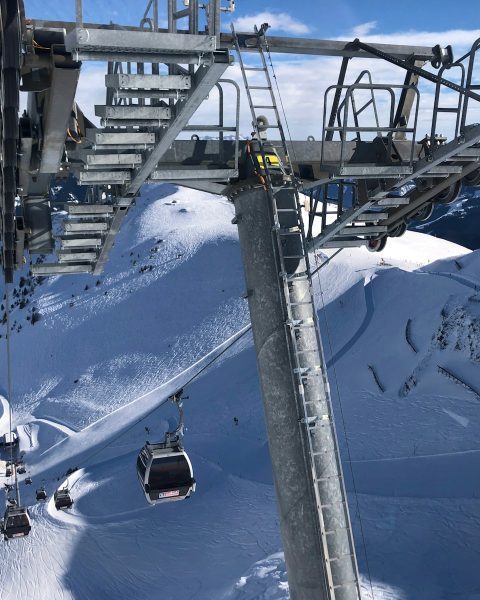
{"points": [[447, 109], [221, 128], [387, 131], [472, 55], [357, 112]]}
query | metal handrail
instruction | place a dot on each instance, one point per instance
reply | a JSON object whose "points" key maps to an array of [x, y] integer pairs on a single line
{"points": [[390, 129], [221, 128], [471, 61], [366, 105], [437, 108]]}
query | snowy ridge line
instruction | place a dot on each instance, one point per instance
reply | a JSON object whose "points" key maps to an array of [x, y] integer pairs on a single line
{"points": [[100, 434], [408, 336], [56, 423], [456, 379], [466, 281]]}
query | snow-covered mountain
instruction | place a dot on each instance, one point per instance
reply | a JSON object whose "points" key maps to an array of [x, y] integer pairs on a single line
{"points": [[457, 222], [401, 335]]}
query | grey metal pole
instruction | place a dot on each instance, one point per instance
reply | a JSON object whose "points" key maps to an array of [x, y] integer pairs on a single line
{"points": [[314, 521], [78, 13]]}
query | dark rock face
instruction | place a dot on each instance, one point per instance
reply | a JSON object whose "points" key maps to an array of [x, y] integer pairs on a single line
{"points": [[458, 222]]}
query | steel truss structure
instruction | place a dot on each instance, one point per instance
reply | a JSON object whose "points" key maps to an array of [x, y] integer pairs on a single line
{"points": [[364, 179]]}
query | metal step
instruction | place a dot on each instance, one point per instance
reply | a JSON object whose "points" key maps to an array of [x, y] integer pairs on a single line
{"points": [[124, 202], [85, 227], [135, 123], [193, 173], [343, 243], [362, 230], [99, 177], [398, 201], [365, 171], [72, 241], [133, 112], [444, 170], [190, 58], [65, 256], [86, 39], [371, 217], [120, 138], [88, 209], [120, 147], [114, 160], [160, 95], [46, 269], [148, 82], [467, 152]]}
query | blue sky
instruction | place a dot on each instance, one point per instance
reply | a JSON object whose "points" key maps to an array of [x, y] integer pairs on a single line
{"points": [[342, 16], [302, 79]]}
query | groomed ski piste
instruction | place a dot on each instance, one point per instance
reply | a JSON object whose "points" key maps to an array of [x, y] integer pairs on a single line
{"points": [[401, 333]]}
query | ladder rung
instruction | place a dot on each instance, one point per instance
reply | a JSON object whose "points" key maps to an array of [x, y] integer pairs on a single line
{"points": [[330, 531], [294, 276], [318, 479], [287, 209], [325, 451], [289, 230], [253, 69], [347, 583], [340, 557], [322, 506], [447, 110], [307, 370], [263, 106], [310, 375], [303, 304], [292, 256], [259, 87], [300, 323]]}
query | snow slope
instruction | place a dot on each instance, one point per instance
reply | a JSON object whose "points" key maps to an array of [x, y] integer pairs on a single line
{"points": [[97, 367]]}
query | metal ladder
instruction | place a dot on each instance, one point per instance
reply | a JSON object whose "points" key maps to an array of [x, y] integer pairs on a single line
{"points": [[293, 262]]}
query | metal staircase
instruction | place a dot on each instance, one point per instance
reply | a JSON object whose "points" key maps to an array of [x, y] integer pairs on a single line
{"points": [[150, 99], [319, 437], [382, 207]]}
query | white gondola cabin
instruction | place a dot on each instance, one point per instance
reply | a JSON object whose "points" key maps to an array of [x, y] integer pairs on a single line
{"points": [[62, 498], [16, 522], [165, 473]]}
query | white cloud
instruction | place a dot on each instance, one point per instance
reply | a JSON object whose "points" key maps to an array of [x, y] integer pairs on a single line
{"points": [[363, 29], [278, 22], [458, 38]]}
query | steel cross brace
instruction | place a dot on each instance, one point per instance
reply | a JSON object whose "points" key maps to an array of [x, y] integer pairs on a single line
{"points": [[408, 66]]}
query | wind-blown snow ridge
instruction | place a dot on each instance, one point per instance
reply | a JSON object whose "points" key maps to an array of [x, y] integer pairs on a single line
{"points": [[77, 447]]}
